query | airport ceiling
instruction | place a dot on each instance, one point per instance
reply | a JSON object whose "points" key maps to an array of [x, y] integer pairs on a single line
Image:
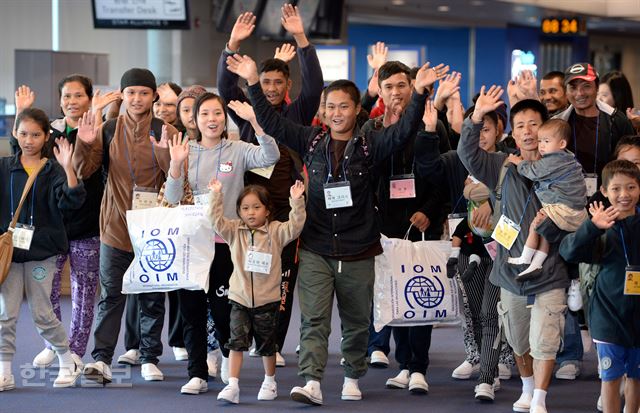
{"points": [[601, 15]]}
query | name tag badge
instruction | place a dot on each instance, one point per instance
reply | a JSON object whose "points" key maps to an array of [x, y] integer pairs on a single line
{"points": [[492, 249], [453, 220], [22, 236], [263, 172], [337, 195], [201, 197], [591, 181], [402, 186], [506, 232], [256, 261], [143, 198], [632, 280]]}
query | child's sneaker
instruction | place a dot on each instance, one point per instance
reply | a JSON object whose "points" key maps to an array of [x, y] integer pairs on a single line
{"points": [[268, 391], [67, 377], [350, 390], [230, 394]]}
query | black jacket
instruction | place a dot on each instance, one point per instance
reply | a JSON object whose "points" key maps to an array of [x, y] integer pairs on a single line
{"points": [[350, 231], [84, 222], [430, 198], [52, 195]]}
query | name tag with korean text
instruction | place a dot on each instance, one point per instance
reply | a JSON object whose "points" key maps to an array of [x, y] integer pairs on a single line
{"points": [[201, 197], [591, 181], [143, 198], [402, 186], [632, 280], [506, 232], [256, 261], [22, 236], [337, 195]]}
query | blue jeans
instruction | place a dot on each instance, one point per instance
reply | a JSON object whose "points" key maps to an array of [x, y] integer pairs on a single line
{"points": [[379, 341], [572, 350]]}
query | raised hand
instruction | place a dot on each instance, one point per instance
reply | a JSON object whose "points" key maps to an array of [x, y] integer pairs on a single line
{"points": [[378, 55], [99, 102], [242, 29], [487, 102], [523, 87], [448, 86], [603, 218], [164, 139], [63, 151], [215, 185], [297, 189], [430, 117], [178, 148], [25, 97], [427, 76], [245, 67], [242, 109], [291, 20], [86, 131], [286, 53]]}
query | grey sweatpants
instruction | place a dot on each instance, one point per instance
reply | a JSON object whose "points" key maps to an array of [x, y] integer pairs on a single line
{"points": [[33, 279]]}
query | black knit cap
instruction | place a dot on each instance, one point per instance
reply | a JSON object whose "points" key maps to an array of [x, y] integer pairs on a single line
{"points": [[138, 77]]}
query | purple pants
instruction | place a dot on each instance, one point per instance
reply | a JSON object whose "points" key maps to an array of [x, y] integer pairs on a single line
{"points": [[84, 256]]}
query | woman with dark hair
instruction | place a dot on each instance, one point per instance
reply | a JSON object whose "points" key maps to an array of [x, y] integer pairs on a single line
{"points": [[213, 155], [76, 98], [615, 91]]}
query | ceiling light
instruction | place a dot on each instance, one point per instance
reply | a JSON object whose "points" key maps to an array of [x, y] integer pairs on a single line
{"points": [[398, 2], [477, 3], [532, 19], [519, 9], [443, 9]]}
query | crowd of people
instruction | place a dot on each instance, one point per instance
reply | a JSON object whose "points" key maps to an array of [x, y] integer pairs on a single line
{"points": [[546, 255]]}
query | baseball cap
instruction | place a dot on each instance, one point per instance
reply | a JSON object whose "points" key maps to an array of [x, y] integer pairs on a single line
{"points": [[584, 71]]}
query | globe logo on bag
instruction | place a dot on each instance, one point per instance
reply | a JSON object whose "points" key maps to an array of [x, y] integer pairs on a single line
{"points": [[427, 293], [158, 255]]}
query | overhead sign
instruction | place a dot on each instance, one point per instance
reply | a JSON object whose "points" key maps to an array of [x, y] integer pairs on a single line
{"points": [[140, 14]]}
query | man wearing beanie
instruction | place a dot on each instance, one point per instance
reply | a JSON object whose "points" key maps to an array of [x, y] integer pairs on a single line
{"points": [[136, 159]]}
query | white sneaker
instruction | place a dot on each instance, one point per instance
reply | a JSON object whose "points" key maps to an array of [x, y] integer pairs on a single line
{"points": [[78, 360], [268, 391], [67, 377], [151, 372], [44, 359], [298, 349], [350, 390], [252, 352], [465, 370], [504, 371], [99, 372], [574, 297], [418, 384], [401, 381], [195, 386], [309, 394], [379, 359], [224, 370], [131, 357], [212, 362], [7, 382], [538, 409], [280, 361], [180, 353], [485, 392], [568, 371], [523, 404], [342, 361], [599, 403], [230, 394]]}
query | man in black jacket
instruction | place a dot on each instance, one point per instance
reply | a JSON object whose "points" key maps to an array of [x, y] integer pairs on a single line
{"points": [[341, 236]]}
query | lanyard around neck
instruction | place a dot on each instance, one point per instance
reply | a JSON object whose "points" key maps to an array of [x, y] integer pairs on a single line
{"points": [[504, 199], [126, 154], [198, 162]]}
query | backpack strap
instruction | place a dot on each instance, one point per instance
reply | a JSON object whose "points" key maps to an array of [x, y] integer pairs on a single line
{"points": [[25, 192]]}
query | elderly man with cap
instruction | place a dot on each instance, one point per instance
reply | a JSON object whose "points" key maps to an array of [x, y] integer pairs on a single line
{"points": [[596, 126], [135, 155]]}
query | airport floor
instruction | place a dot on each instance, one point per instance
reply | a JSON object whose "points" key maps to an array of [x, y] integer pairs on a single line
{"points": [[35, 393]]}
